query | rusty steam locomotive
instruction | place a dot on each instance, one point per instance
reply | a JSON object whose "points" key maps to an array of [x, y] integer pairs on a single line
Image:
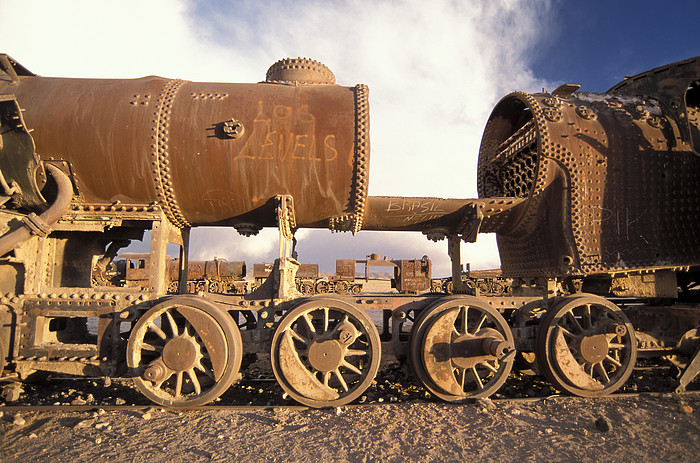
{"points": [[595, 200]]}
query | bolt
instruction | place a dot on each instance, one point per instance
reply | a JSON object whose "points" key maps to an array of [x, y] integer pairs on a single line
{"points": [[346, 336], [233, 128]]}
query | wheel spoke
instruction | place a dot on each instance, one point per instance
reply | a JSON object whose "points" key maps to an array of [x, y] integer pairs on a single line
{"points": [[477, 378], [568, 333], [195, 381], [589, 368], [587, 323], [188, 328], [601, 371], [209, 373], [613, 361], [161, 334], [307, 319], [340, 378], [173, 325], [326, 378], [489, 367], [574, 321], [298, 337], [463, 310], [178, 384], [355, 352], [326, 316], [351, 367], [478, 325], [151, 348]]}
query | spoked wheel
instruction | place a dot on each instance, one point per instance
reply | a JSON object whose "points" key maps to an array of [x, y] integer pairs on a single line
{"points": [[322, 287], [184, 352], [306, 288], [341, 287], [447, 287], [325, 352], [586, 346], [461, 348]]}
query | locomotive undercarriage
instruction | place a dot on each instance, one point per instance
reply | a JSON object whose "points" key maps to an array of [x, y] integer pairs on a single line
{"points": [[186, 349], [593, 198]]}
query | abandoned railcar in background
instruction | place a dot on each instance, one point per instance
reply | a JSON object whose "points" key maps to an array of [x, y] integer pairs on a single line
{"points": [[594, 199]]}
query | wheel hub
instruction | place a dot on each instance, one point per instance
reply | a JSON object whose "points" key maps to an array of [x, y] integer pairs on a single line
{"points": [[325, 356], [594, 348], [180, 354], [466, 351]]}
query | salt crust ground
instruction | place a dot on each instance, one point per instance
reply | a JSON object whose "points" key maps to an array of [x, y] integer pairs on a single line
{"points": [[556, 429]]}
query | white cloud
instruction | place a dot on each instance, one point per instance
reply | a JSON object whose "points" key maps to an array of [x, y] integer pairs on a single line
{"points": [[435, 69]]}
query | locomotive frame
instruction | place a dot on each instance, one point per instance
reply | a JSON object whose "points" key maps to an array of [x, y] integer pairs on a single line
{"points": [[578, 306]]}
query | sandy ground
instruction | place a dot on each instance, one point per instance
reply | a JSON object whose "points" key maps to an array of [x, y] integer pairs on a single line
{"points": [[650, 428]]}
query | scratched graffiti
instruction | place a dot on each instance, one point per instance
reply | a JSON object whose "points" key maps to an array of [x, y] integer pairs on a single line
{"points": [[287, 133], [412, 210]]}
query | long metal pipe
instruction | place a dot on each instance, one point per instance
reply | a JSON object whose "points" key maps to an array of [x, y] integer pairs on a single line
{"points": [[49, 217]]}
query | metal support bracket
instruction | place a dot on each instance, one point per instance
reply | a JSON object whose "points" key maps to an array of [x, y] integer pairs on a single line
{"points": [[471, 222], [691, 371], [286, 223], [454, 251]]}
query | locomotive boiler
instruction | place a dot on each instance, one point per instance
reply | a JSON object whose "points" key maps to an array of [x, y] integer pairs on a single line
{"points": [[593, 197]]}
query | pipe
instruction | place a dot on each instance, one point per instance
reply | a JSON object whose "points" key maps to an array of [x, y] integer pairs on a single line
{"points": [[33, 224]]}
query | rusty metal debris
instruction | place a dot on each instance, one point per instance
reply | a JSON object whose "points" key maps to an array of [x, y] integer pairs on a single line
{"points": [[594, 199]]}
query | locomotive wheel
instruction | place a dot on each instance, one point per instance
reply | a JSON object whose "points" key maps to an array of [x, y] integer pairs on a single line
{"points": [[185, 352], [586, 346], [461, 348], [447, 287], [306, 288], [341, 287], [498, 288], [322, 287], [325, 352]]}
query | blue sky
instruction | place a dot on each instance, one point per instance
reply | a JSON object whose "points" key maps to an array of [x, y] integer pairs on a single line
{"points": [[435, 70], [597, 43]]}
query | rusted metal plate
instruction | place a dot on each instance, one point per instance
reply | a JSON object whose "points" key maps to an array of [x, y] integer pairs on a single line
{"points": [[413, 275], [207, 153], [307, 271], [451, 216], [611, 180], [18, 162], [345, 269]]}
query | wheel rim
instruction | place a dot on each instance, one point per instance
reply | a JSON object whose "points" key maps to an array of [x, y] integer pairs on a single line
{"points": [[461, 348], [184, 352], [325, 353], [586, 346]]}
